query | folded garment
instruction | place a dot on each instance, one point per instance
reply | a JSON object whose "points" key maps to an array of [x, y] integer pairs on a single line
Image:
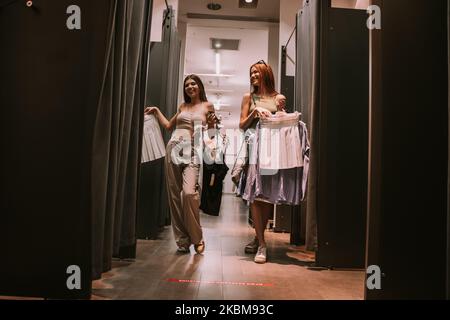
{"points": [[280, 145]]}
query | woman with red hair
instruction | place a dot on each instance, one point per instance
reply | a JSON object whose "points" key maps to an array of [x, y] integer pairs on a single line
{"points": [[262, 101]]}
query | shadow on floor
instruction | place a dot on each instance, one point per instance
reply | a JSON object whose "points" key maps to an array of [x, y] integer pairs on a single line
{"points": [[286, 256]]}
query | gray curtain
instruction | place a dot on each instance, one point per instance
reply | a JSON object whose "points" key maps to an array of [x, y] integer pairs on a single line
{"points": [[306, 100], [117, 137]]}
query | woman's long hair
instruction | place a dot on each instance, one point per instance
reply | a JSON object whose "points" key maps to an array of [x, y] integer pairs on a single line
{"points": [[266, 79], [199, 82]]}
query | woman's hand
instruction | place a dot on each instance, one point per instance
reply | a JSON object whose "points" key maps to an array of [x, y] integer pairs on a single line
{"points": [[150, 110], [280, 101], [212, 119], [262, 113]]}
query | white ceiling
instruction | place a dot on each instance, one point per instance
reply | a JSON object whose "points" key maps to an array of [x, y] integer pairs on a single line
{"points": [[266, 8], [200, 59]]}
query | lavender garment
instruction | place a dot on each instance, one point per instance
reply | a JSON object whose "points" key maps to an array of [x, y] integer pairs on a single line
{"points": [[287, 186]]}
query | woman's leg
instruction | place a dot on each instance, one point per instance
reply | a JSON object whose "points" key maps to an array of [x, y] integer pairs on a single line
{"points": [[174, 182], [266, 215], [191, 203], [261, 212]]}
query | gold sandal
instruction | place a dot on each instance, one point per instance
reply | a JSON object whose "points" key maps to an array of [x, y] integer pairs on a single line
{"points": [[200, 248]]}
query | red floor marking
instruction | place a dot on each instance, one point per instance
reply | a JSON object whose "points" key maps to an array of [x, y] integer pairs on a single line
{"points": [[234, 283]]}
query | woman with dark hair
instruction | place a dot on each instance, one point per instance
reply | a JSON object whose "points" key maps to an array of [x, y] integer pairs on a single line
{"points": [[262, 101], [182, 163]]}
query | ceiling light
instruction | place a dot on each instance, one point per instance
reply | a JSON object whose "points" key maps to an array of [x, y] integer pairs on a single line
{"points": [[218, 71], [214, 6], [224, 44], [246, 4]]}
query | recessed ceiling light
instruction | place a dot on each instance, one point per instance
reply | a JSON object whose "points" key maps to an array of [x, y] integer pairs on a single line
{"points": [[224, 44], [214, 6], [248, 4]]}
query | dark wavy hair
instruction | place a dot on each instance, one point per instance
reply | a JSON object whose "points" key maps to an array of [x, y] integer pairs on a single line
{"points": [[199, 82]]}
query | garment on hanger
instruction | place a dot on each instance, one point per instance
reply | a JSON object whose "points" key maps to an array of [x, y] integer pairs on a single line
{"points": [[242, 161], [213, 177], [280, 144], [214, 173], [153, 147], [279, 186]]}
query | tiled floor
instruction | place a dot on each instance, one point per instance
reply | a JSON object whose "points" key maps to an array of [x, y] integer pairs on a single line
{"points": [[224, 271]]}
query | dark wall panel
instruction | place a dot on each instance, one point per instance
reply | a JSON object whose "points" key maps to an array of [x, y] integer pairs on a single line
{"points": [[342, 199], [409, 147], [49, 80], [287, 84], [148, 220]]}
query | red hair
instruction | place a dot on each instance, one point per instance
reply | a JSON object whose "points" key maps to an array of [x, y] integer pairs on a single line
{"points": [[267, 80]]}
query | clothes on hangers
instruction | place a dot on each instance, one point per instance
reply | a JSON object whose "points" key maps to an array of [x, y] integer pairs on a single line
{"points": [[280, 144], [243, 158], [288, 184], [152, 144], [214, 173], [213, 177]]}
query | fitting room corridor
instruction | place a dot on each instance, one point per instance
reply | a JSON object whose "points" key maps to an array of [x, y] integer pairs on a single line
{"points": [[132, 129], [224, 271]]}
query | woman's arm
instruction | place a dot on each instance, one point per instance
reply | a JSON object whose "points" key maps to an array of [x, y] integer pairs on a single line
{"points": [[166, 124], [246, 117]]}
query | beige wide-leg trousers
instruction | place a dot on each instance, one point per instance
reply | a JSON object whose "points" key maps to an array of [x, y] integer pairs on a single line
{"points": [[184, 199]]}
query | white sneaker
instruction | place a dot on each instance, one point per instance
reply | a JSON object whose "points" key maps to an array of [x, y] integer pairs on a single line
{"points": [[183, 250], [261, 255]]}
